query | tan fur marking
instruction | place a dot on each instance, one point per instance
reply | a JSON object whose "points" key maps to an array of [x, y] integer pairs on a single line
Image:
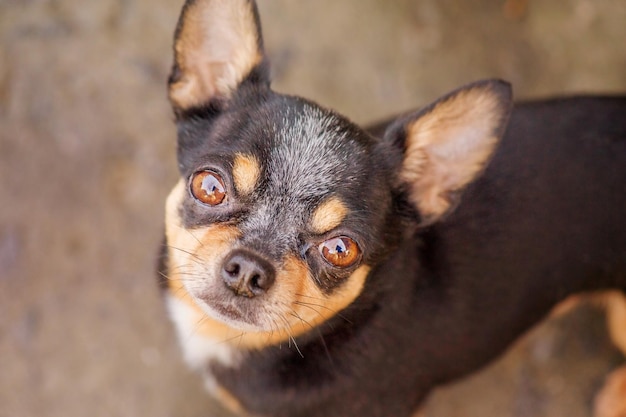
{"points": [[313, 307], [448, 147], [229, 401], [328, 215], [567, 305], [246, 172], [615, 303], [419, 412], [186, 246], [215, 49], [611, 400]]}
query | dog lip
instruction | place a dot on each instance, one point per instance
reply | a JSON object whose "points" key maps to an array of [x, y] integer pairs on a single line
{"points": [[228, 313]]}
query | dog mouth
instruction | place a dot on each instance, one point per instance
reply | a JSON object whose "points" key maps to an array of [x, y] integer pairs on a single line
{"points": [[228, 311], [236, 316]]}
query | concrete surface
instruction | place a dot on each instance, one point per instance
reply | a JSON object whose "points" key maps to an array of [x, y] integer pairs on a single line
{"points": [[87, 157]]}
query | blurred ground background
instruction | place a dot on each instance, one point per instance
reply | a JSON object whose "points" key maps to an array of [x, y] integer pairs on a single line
{"points": [[87, 157]]}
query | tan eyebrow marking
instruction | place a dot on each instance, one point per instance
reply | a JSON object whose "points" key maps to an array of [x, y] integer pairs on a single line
{"points": [[328, 215], [246, 172]]}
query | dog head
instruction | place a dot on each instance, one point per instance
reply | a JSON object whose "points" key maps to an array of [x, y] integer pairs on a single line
{"points": [[283, 206]]}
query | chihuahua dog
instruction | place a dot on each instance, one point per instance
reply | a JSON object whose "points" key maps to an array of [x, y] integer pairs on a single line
{"points": [[314, 268]]}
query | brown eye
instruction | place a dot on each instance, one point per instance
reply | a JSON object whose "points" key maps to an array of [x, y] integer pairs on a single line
{"points": [[341, 252], [208, 188]]}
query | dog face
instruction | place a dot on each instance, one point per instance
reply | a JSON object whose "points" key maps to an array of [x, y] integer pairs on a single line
{"points": [[283, 207], [266, 228]]}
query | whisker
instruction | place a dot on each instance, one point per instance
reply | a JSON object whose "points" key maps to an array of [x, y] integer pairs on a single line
{"points": [[296, 315], [199, 325], [192, 235], [310, 296], [330, 358], [179, 292], [179, 276], [311, 305], [273, 328], [319, 333], [240, 340], [194, 256], [167, 277], [291, 338]]}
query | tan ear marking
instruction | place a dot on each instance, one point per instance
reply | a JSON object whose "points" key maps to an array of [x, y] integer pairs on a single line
{"points": [[448, 147], [246, 172], [217, 46], [328, 215]]}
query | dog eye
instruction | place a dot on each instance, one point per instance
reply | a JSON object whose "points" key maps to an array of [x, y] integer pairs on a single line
{"points": [[208, 188], [340, 252]]}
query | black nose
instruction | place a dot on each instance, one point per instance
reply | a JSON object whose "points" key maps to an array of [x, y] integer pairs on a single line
{"points": [[247, 273]]}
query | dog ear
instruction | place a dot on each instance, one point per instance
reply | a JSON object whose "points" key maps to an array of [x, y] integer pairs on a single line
{"points": [[449, 143], [217, 46]]}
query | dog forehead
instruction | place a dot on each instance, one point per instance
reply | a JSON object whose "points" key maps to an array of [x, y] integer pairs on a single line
{"points": [[310, 156], [314, 153]]}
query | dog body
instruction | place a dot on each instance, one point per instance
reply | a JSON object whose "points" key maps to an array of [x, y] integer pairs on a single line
{"points": [[313, 268]]}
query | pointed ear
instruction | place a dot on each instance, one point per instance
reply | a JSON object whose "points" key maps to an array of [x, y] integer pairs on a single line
{"points": [[449, 143], [217, 45]]}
